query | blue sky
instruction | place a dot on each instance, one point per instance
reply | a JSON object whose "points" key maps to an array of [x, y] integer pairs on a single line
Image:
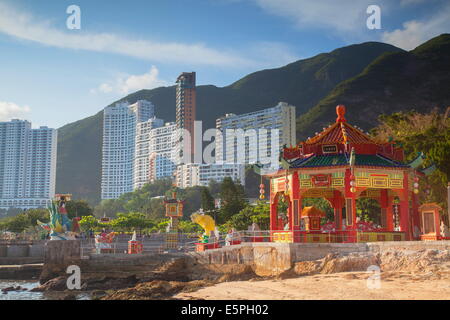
{"points": [[52, 76]]}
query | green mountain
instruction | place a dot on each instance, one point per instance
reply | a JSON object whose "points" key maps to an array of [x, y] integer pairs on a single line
{"points": [[303, 84], [395, 81]]}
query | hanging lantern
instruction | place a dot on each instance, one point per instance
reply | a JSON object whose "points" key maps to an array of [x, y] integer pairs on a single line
{"points": [[416, 185], [352, 183], [261, 191]]}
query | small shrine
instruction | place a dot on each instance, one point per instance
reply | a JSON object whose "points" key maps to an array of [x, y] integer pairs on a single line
{"points": [[432, 226], [343, 164], [174, 210]]}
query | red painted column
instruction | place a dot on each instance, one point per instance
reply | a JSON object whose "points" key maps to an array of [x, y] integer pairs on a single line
{"points": [[273, 216], [295, 195], [390, 215], [291, 214], [273, 208], [404, 209], [415, 217], [384, 203], [337, 206], [350, 200]]}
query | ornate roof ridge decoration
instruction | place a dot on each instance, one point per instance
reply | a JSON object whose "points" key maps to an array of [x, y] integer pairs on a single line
{"points": [[340, 132], [361, 160], [429, 170], [417, 161]]}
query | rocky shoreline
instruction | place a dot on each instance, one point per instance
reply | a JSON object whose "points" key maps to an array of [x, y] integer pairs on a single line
{"points": [[166, 276]]}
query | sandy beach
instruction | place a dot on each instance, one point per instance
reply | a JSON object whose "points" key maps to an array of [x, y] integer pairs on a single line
{"points": [[341, 286]]}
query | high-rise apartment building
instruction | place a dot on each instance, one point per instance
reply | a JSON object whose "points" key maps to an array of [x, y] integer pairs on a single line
{"points": [[185, 116], [27, 165], [196, 174], [162, 152], [143, 146], [154, 155], [261, 134], [119, 137]]}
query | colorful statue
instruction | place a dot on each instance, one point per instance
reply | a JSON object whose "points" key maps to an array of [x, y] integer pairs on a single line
{"points": [[103, 241], [60, 227], [206, 222]]}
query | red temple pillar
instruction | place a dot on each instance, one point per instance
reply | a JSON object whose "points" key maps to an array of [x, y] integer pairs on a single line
{"points": [[296, 205], [350, 208], [273, 216], [290, 213], [273, 209], [337, 206], [384, 205], [416, 217], [404, 209], [390, 215]]}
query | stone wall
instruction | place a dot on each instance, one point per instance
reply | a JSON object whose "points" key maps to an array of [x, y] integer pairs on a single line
{"points": [[58, 255], [21, 252], [272, 259]]}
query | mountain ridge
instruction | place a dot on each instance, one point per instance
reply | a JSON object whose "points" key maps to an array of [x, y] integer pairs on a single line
{"points": [[309, 84]]}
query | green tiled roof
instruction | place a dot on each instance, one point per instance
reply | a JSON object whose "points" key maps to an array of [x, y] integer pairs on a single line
{"points": [[341, 160]]}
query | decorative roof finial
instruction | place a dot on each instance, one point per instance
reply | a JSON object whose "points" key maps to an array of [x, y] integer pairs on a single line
{"points": [[340, 111]]}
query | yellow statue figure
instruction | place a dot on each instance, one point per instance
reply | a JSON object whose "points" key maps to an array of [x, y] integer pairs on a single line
{"points": [[206, 222]]}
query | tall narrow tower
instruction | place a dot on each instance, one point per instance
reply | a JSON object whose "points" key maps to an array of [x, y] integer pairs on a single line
{"points": [[185, 116]]}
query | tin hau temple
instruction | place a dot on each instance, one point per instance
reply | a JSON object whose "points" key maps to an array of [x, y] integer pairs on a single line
{"points": [[342, 164]]}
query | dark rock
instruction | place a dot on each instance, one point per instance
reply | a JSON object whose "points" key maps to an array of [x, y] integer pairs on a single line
{"points": [[56, 284], [69, 297]]}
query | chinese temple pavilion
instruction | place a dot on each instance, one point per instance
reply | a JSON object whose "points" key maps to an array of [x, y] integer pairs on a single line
{"points": [[342, 164]]}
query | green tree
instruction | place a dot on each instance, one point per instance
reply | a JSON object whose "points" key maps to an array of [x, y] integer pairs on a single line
{"points": [[428, 133], [78, 208], [131, 221], [368, 209], [232, 199], [88, 223], [259, 214], [208, 203], [189, 226], [24, 220], [214, 187]]}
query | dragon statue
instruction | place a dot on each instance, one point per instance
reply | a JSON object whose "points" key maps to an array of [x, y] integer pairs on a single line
{"points": [[60, 226]]}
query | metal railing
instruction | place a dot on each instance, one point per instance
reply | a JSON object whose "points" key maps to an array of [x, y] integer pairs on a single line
{"points": [[157, 243]]}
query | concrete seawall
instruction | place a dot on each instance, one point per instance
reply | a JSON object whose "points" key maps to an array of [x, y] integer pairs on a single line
{"points": [[272, 259], [252, 259], [19, 252]]}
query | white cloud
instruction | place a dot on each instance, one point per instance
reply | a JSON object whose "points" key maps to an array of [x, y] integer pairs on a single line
{"points": [[416, 32], [10, 110], [412, 2], [27, 27], [130, 83], [340, 16], [272, 54]]}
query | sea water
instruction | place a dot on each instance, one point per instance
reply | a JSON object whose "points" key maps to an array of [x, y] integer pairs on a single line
{"points": [[27, 295]]}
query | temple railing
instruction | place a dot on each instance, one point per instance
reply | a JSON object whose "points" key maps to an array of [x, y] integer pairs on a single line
{"points": [[345, 236]]}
